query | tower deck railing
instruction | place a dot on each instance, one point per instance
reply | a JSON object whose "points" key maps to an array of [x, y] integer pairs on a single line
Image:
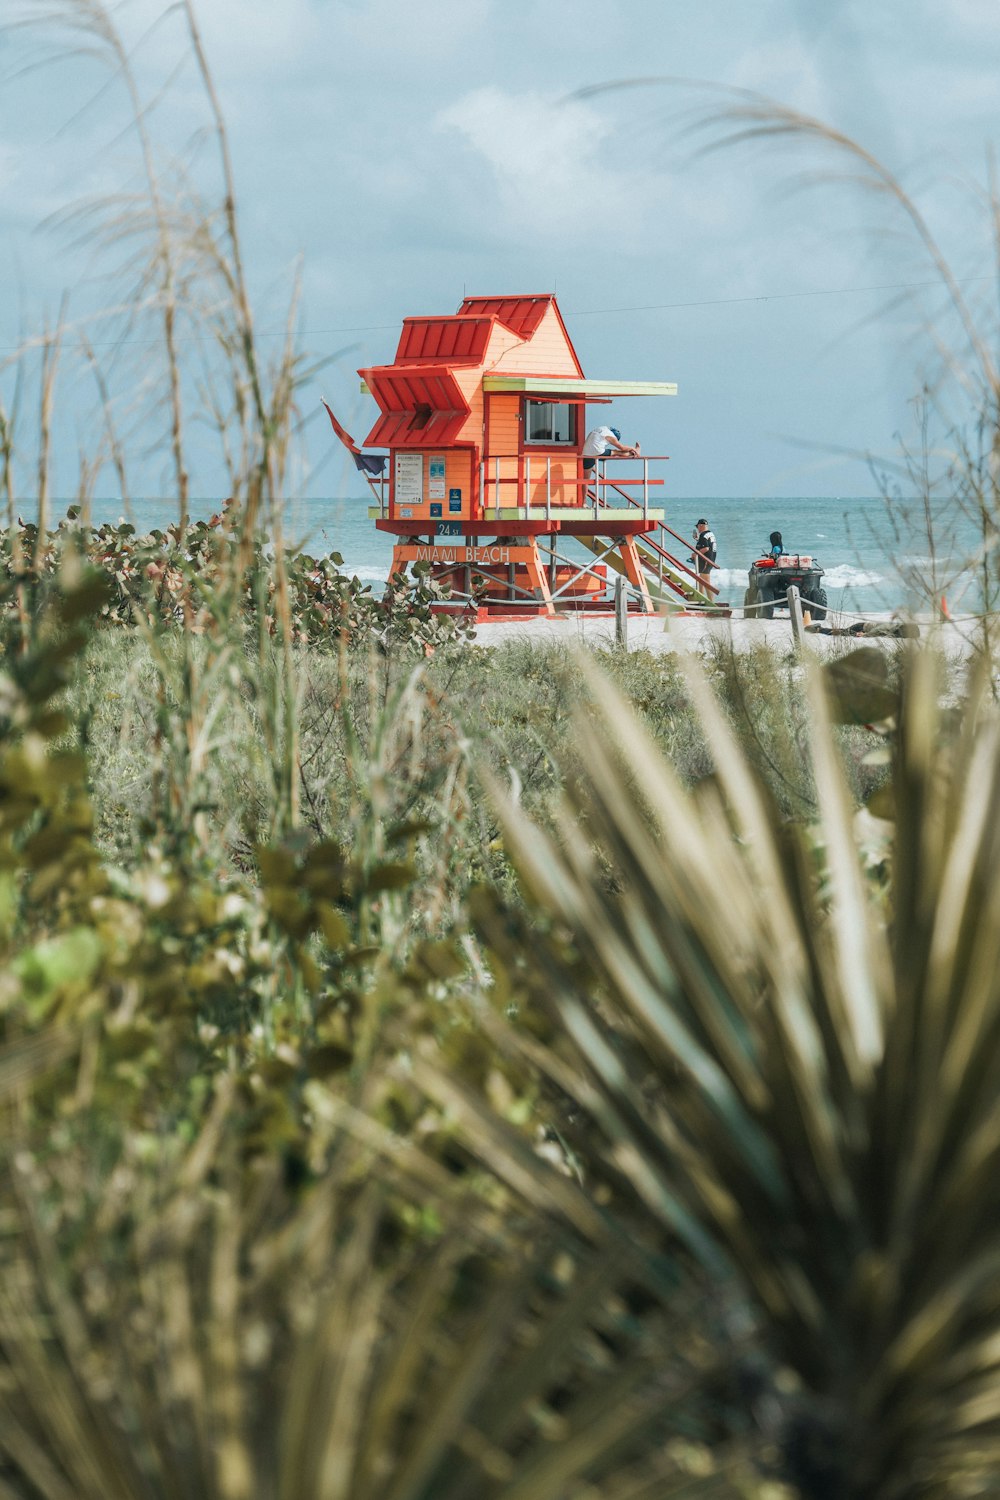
{"points": [[503, 493], [507, 497]]}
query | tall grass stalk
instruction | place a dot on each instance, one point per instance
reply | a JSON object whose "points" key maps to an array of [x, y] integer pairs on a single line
{"points": [[193, 274], [962, 349], [50, 365], [957, 473], [90, 22], [115, 447]]}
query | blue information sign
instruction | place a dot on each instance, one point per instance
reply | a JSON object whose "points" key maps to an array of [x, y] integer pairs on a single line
{"points": [[435, 509], [454, 501]]}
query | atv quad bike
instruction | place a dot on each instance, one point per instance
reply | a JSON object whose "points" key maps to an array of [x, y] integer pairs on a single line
{"points": [[770, 579]]}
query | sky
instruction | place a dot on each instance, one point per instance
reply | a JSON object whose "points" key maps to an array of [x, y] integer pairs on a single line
{"points": [[399, 155]]}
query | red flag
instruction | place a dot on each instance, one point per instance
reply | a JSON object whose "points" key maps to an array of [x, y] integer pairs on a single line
{"points": [[342, 433]]}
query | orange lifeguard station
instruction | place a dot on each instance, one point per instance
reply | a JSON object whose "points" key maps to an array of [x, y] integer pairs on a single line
{"points": [[484, 414]]}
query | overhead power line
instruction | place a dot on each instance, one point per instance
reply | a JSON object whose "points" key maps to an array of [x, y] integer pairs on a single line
{"points": [[832, 291], [585, 312]]}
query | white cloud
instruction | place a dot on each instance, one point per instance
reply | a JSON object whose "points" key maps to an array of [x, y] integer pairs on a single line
{"points": [[545, 157]]}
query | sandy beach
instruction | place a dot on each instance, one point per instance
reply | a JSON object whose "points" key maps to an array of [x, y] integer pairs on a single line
{"points": [[691, 633]]}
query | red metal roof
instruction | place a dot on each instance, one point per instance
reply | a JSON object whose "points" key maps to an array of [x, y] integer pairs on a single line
{"points": [[454, 337], [521, 315], [422, 406], [395, 429], [397, 389]]}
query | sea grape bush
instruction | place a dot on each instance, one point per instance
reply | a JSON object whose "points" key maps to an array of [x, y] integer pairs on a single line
{"points": [[179, 577], [180, 968]]}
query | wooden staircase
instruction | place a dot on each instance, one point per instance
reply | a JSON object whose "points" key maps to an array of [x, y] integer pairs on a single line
{"points": [[668, 579]]}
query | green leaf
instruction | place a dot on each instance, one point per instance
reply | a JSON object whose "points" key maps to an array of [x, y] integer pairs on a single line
{"points": [[276, 866], [858, 687], [882, 803], [85, 600], [73, 957], [391, 877], [333, 925]]}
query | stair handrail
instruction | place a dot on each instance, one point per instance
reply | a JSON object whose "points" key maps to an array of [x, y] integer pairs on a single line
{"points": [[679, 538], [674, 562], [651, 541]]}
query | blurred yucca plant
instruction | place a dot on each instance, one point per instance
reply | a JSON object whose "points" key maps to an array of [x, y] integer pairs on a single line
{"points": [[196, 1323], [798, 1067]]}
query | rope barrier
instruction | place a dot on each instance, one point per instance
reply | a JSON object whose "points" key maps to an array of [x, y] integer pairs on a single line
{"points": [[883, 616]]}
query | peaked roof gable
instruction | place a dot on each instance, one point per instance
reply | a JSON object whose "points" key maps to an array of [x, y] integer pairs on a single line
{"points": [[523, 315], [425, 394]]}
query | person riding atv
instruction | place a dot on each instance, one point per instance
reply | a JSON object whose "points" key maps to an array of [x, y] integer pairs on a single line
{"points": [[772, 575]]}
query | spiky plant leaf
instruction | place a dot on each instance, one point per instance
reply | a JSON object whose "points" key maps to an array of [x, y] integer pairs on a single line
{"points": [[798, 1075]]}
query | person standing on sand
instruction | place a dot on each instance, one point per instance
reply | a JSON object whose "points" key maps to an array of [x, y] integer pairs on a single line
{"points": [[705, 551]]}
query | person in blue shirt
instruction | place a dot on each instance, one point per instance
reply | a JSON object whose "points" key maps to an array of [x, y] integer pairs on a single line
{"points": [[777, 549]]}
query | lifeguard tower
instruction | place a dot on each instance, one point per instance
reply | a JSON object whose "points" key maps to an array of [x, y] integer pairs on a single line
{"points": [[484, 413]]}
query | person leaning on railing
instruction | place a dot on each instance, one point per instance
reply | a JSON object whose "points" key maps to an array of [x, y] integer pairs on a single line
{"points": [[602, 441]]}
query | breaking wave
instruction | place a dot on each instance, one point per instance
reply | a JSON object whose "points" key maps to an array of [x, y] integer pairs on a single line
{"points": [[730, 577], [366, 575], [843, 576]]}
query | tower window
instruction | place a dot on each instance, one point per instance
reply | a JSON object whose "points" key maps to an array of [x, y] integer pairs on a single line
{"points": [[550, 422]]}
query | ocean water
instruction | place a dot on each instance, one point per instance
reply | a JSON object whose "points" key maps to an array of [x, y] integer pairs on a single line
{"points": [[869, 550]]}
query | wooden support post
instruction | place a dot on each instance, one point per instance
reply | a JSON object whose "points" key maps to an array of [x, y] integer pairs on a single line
{"points": [[537, 579], [794, 602], [621, 613], [635, 573]]}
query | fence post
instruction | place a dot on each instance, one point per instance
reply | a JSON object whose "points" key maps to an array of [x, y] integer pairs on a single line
{"points": [[621, 613], [794, 602]]}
